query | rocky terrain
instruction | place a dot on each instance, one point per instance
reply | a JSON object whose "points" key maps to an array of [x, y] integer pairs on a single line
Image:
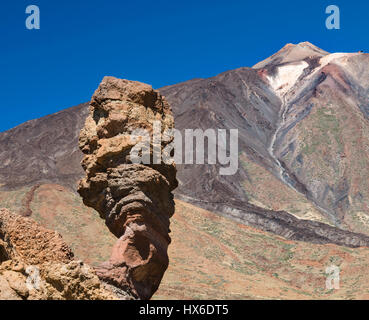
{"points": [[36, 264], [302, 116], [213, 257]]}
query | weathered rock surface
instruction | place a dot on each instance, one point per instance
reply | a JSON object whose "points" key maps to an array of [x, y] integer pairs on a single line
{"points": [[36, 264], [134, 199], [24, 239]]}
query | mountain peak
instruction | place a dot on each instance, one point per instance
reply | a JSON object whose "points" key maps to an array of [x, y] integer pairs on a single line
{"points": [[291, 53]]}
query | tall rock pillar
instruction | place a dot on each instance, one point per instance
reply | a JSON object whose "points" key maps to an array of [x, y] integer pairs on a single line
{"points": [[135, 200]]}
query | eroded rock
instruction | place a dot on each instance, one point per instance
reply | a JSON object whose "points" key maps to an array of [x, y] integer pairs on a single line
{"points": [[134, 199], [25, 240], [36, 264]]}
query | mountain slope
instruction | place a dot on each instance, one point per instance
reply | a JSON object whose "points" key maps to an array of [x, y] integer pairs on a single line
{"points": [[43, 150], [215, 258], [302, 117], [322, 140]]}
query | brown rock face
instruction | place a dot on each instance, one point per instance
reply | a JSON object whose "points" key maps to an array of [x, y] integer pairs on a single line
{"points": [[36, 264], [134, 199], [22, 238]]}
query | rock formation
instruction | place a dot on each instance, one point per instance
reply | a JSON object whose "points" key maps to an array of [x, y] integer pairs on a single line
{"points": [[134, 199], [36, 264]]}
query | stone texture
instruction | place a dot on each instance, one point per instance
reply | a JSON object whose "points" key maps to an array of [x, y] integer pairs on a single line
{"points": [[52, 281], [36, 264], [134, 199], [21, 238]]}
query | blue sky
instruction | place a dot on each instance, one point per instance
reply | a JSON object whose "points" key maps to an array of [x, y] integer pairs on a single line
{"points": [[157, 42]]}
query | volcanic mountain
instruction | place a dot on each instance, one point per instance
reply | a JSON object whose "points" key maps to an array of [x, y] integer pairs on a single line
{"points": [[302, 116], [303, 122]]}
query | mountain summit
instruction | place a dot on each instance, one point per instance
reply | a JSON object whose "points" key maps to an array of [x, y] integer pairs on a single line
{"points": [[291, 53]]}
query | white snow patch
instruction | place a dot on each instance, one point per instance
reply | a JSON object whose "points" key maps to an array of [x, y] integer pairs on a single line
{"points": [[335, 56], [339, 58], [286, 77]]}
